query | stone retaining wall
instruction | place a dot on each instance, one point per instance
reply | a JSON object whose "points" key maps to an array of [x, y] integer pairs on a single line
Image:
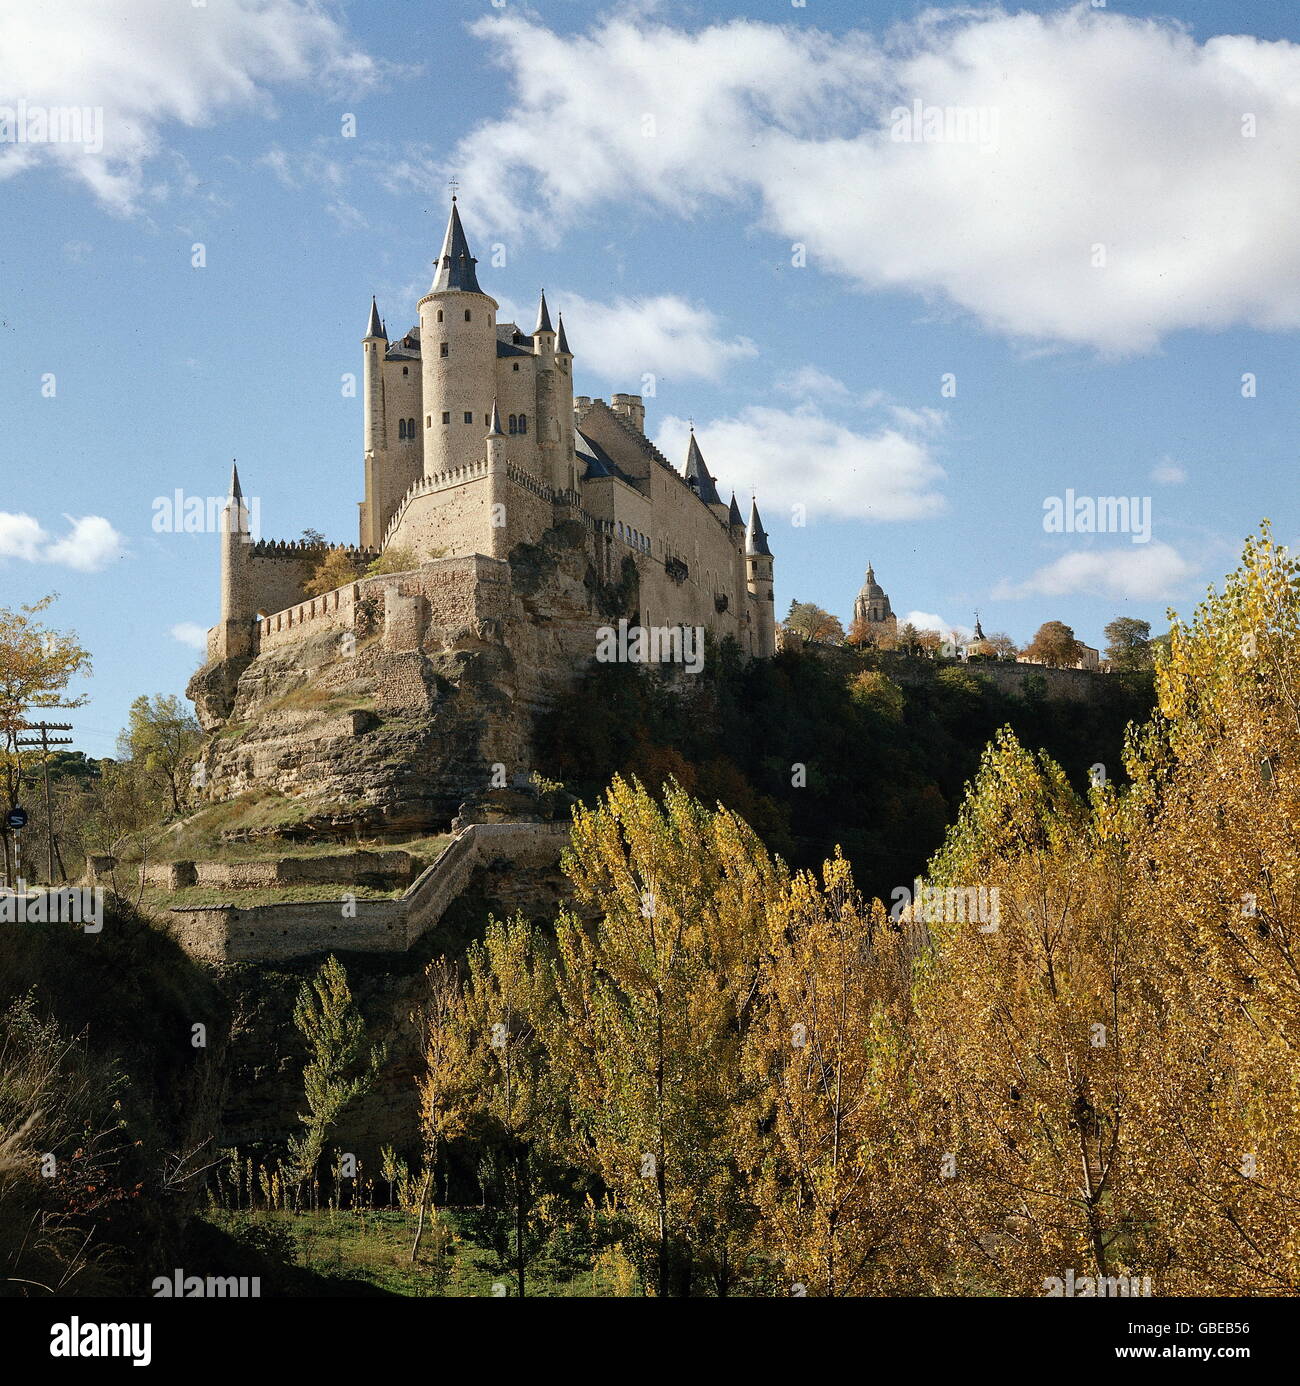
{"points": [[265, 933]]}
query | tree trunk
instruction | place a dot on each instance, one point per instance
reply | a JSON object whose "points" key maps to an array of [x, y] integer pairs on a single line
{"points": [[424, 1199]]}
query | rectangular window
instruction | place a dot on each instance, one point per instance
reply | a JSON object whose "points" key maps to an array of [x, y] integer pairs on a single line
{"points": [[446, 418], [469, 416], [467, 316], [516, 365], [442, 349]]}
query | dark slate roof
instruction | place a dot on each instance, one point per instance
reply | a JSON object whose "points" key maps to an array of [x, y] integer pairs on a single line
{"points": [[733, 515], [562, 345], [511, 341], [697, 476], [374, 328], [756, 535], [455, 265], [543, 317], [599, 462]]}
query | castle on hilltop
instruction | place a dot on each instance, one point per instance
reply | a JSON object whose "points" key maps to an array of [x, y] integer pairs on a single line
{"points": [[475, 446], [506, 528]]}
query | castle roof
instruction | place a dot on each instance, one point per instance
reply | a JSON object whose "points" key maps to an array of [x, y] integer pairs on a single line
{"points": [[375, 328], [599, 462], [455, 265], [511, 341], [697, 475], [543, 317], [756, 535], [562, 345], [733, 514]]}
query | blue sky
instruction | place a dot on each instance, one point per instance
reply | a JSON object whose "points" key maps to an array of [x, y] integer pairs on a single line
{"points": [[658, 168]]}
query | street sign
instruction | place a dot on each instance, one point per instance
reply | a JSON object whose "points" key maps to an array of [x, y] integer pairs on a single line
{"points": [[16, 818]]}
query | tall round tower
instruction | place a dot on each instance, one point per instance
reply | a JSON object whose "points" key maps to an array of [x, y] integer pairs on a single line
{"points": [[458, 349]]}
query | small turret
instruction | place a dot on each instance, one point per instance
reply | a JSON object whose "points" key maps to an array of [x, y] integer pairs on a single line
{"points": [[697, 475], [543, 318], [734, 519], [562, 344], [758, 578], [375, 328], [756, 535]]}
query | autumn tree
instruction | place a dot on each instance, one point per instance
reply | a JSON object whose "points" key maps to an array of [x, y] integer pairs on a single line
{"points": [[652, 999], [1001, 645], [830, 1062], [813, 623], [445, 1083], [335, 568], [1054, 644], [36, 666]]}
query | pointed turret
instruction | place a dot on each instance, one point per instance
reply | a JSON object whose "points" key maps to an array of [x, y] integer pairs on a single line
{"points": [[734, 517], [543, 317], [697, 475], [455, 265], [496, 430], [562, 343], [375, 328], [235, 493], [756, 535]]}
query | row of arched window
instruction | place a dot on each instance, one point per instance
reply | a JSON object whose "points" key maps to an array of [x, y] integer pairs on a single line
{"points": [[517, 423], [405, 428]]}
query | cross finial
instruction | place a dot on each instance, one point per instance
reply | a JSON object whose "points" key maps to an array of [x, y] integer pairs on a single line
{"points": [[453, 184]]}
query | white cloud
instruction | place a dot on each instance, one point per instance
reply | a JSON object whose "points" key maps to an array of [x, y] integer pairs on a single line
{"points": [[21, 537], [1140, 574], [813, 383], [622, 340], [928, 620], [801, 457], [1111, 131], [90, 545], [188, 633], [1168, 472], [144, 64]]}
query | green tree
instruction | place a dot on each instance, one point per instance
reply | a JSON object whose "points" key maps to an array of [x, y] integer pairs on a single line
{"points": [[340, 1067], [1128, 644], [163, 737]]}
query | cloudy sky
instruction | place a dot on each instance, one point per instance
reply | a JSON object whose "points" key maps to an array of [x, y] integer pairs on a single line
{"points": [[913, 271]]}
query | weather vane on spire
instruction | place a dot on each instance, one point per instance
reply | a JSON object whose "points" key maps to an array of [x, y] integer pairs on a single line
{"points": [[453, 184]]}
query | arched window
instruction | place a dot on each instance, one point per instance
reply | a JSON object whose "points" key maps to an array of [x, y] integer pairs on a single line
{"points": [[513, 425], [401, 429], [410, 428], [439, 314], [523, 423]]}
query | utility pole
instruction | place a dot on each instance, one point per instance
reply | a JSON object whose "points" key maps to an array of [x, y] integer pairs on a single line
{"points": [[46, 741]]}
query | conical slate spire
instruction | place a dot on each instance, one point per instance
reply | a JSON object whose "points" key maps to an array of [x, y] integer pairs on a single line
{"points": [[543, 317], [235, 492], [697, 475], [375, 328], [756, 535], [562, 345], [734, 518], [496, 421], [455, 265]]}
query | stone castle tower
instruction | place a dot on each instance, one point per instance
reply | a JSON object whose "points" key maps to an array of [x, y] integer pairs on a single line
{"points": [[872, 614]]}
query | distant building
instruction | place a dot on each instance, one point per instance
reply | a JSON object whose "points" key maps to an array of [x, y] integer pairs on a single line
{"points": [[872, 614]]}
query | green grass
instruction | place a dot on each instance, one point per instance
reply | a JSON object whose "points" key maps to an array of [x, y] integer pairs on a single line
{"points": [[193, 897], [374, 1246]]}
